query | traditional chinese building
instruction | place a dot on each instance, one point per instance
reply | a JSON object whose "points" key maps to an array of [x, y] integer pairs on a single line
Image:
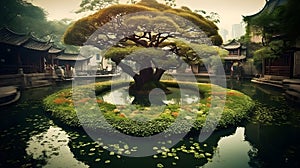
{"points": [[237, 55], [22, 52], [69, 61], [287, 65], [54, 52]]}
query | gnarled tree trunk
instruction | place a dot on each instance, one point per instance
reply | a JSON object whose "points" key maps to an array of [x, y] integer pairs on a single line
{"points": [[144, 82]]}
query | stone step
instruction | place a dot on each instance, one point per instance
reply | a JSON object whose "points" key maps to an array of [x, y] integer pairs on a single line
{"points": [[293, 87], [39, 83], [291, 81], [294, 96], [266, 82]]}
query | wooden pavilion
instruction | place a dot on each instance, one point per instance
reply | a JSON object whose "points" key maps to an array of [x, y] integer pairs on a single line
{"points": [[237, 54], [68, 61], [22, 52]]}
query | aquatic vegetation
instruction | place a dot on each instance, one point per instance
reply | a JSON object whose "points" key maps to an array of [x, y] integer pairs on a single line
{"points": [[145, 121], [271, 115]]}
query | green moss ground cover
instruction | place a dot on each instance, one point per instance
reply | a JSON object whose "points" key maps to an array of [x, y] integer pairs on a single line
{"points": [[145, 121]]}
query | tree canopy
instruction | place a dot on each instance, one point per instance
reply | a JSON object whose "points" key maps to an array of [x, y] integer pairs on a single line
{"points": [[83, 28], [283, 20], [291, 21], [155, 36], [20, 15], [23, 17], [95, 5], [278, 27]]}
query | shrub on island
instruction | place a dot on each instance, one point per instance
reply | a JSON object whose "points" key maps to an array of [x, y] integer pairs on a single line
{"points": [[145, 121]]}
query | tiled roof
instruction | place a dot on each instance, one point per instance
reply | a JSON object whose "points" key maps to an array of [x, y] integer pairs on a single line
{"points": [[232, 45], [269, 7], [235, 58], [55, 50], [71, 57], [9, 37], [34, 44], [27, 41]]}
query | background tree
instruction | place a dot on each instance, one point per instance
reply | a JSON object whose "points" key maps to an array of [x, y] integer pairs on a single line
{"points": [[95, 5], [282, 22], [154, 36], [278, 29], [212, 16], [23, 17], [291, 21]]}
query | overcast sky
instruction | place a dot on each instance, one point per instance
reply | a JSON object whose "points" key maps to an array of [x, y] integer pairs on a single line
{"points": [[230, 11]]}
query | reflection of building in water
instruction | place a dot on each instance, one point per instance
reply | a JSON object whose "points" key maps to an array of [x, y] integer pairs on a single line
{"points": [[273, 146]]}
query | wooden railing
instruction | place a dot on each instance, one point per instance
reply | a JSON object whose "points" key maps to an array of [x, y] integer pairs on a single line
{"points": [[13, 69]]}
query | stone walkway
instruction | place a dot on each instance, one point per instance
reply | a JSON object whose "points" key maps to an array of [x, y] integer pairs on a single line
{"points": [[291, 87]]}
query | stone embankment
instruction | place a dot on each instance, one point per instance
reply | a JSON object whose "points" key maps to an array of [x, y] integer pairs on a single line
{"points": [[291, 87], [26, 81]]}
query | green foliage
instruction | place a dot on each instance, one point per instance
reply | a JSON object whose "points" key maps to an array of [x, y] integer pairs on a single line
{"points": [[93, 5], [145, 121], [60, 106], [281, 23], [20, 16], [160, 36], [273, 50], [269, 22], [23, 17], [264, 52], [154, 4], [120, 53], [14, 11], [251, 46], [171, 3], [212, 16], [270, 115], [283, 20], [82, 29], [205, 25], [291, 23], [190, 53], [78, 33], [210, 55]]}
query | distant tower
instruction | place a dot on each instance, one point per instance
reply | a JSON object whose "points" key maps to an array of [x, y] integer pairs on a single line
{"points": [[237, 30], [224, 34]]}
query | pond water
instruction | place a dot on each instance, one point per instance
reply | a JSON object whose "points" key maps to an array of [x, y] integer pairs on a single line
{"points": [[120, 96], [31, 138]]}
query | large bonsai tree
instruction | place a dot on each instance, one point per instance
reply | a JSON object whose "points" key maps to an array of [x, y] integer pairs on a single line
{"points": [[154, 36]]}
